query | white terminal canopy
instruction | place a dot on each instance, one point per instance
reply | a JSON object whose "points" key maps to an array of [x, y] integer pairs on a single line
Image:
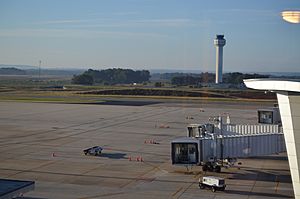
{"points": [[273, 84], [288, 96]]}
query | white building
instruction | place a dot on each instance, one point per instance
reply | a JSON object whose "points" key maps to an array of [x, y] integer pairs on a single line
{"points": [[288, 95]]}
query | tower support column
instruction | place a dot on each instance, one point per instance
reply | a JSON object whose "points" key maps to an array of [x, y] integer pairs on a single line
{"points": [[219, 65]]}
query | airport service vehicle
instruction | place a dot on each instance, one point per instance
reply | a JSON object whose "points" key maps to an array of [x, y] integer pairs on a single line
{"points": [[96, 150], [213, 183]]}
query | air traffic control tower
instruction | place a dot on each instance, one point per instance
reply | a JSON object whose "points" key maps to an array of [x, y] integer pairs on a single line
{"points": [[288, 96], [219, 42]]}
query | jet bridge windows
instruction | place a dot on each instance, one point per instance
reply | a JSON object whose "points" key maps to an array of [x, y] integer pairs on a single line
{"points": [[185, 153], [265, 117]]}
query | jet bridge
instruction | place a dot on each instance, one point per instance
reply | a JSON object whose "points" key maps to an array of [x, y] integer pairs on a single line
{"points": [[215, 142], [197, 151]]}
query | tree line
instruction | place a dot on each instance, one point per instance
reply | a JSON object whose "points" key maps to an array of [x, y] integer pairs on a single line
{"points": [[228, 78], [111, 77]]}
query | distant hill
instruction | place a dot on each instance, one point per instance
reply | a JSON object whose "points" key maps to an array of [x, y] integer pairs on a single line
{"points": [[22, 67], [12, 71], [33, 70], [55, 72]]}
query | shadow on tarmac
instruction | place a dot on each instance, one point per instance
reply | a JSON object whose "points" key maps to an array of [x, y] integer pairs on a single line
{"points": [[268, 176], [24, 197], [112, 155], [284, 158], [257, 194]]}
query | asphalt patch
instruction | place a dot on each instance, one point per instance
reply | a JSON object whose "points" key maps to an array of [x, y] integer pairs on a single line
{"points": [[128, 103]]}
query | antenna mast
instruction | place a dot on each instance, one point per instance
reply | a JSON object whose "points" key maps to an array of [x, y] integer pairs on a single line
{"points": [[40, 63]]}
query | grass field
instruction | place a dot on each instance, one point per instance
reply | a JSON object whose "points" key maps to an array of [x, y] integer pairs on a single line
{"points": [[59, 90]]}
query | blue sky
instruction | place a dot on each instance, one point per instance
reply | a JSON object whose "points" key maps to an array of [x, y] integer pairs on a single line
{"points": [[149, 34]]}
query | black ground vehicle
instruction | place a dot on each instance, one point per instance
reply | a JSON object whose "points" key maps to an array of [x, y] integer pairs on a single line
{"points": [[96, 150], [210, 166]]}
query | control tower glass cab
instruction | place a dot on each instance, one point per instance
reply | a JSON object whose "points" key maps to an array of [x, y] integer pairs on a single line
{"points": [[219, 42]]}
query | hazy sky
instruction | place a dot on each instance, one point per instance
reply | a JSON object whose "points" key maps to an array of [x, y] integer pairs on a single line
{"points": [[149, 34]]}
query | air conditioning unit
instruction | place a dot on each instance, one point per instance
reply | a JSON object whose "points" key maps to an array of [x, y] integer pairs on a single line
{"points": [[198, 130]]}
